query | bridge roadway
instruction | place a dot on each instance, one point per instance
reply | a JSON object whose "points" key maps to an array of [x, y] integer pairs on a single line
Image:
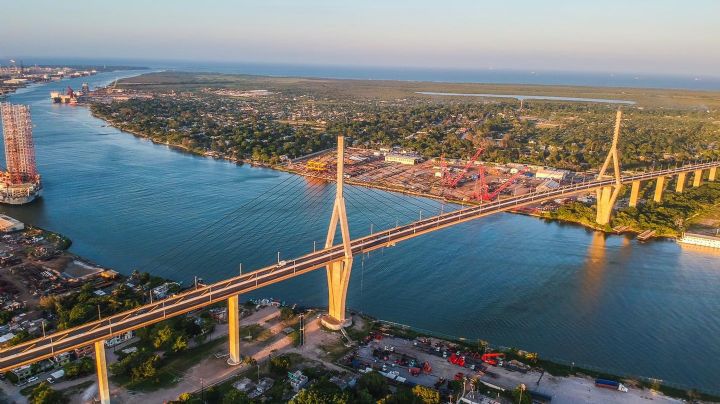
{"points": [[86, 334]]}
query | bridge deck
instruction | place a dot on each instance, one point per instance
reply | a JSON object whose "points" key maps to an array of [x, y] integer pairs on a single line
{"points": [[86, 334]]}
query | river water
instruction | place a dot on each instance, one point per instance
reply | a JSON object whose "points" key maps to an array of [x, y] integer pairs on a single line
{"points": [[570, 294]]}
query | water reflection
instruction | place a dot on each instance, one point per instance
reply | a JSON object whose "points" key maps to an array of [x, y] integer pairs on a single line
{"points": [[593, 270]]}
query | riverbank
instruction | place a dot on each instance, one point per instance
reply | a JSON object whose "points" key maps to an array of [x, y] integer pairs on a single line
{"points": [[697, 206], [182, 148], [13, 78], [625, 221], [550, 367]]}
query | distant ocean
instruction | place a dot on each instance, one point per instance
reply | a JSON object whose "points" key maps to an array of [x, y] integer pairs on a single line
{"points": [[499, 76]]}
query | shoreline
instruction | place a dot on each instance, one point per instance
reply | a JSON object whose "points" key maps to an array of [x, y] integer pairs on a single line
{"points": [[286, 169], [554, 367]]}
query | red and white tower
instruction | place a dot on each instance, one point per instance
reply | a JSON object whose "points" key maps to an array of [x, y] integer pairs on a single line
{"points": [[19, 147]]}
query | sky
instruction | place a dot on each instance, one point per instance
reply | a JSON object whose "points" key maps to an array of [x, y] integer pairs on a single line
{"points": [[628, 36]]}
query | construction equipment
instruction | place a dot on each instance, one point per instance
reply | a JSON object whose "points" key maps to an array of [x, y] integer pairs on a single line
{"points": [[482, 189], [456, 359], [317, 165], [452, 181], [493, 358]]}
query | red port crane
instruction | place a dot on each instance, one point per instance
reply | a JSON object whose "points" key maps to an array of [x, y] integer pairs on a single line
{"points": [[482, 190], [452, 181]]}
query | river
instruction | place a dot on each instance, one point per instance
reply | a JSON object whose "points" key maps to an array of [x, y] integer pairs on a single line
{"points": [[608, 302]]}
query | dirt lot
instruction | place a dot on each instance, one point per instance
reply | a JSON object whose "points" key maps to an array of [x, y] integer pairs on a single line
{"points": [[564, 390]]}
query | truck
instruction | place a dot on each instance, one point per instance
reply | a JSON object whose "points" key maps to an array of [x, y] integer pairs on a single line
{"points": [[610, 384], [55, 376]]}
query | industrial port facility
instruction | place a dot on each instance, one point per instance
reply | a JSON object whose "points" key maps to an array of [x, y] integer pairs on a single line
{"points": [[20, 183]]}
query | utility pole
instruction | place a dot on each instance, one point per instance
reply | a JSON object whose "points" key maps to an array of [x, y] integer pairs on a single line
{"points": [[302, 330]]}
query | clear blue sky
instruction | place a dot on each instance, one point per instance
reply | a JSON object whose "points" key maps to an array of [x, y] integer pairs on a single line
{"points": [[644, 36]]}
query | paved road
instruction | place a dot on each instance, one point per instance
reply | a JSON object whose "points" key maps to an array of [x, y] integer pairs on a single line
{"points": [[87, 334]]}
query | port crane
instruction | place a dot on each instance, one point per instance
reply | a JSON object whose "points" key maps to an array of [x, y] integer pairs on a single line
{"points": [[482, 189], [452, 181]]}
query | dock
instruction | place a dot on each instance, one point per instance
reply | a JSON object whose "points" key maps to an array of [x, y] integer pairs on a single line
{"points": [[647, 234], [621, 229]]}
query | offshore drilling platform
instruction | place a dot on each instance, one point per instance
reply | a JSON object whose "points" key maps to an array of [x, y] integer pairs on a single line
{"points": [[20, 184]]}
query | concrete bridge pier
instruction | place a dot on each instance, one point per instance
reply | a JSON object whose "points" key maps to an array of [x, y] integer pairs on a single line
{"points": [[681, 180], [659, 186], [101, 367], [713, 172], [697, 178], [634, 193], [234, 330], [338, 277], [605, 202]]}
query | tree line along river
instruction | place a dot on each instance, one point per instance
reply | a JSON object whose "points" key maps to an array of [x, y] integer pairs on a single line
{"points": [[573, 295]]}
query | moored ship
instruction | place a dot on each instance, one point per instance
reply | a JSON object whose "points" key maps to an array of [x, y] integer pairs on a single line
{"points": [[20, 184]]}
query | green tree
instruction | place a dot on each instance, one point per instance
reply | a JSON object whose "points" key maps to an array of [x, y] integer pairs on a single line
{"points": [[146, 370], [43, 394], [374, 383], [426, 394], [79, 368], [235, 397], [286, 313], [321, 392], [180, 344], [185, 397], [279, 365]]}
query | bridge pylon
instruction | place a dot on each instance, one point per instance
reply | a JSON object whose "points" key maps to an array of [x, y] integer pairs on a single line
{"points": [[606, 196], [338, 272]]}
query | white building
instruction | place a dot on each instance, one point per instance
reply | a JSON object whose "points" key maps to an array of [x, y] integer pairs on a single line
{"points": [[297, 380], [552, 174], [118, 339]]}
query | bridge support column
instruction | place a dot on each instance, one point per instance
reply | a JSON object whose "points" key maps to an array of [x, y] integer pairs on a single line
{"points": [[338, 272], [634, 193], [234, 330], [681, 180], [607, 195], [101, 367], [713, 172], [605, 204], [659, 186], [697, 178]]}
